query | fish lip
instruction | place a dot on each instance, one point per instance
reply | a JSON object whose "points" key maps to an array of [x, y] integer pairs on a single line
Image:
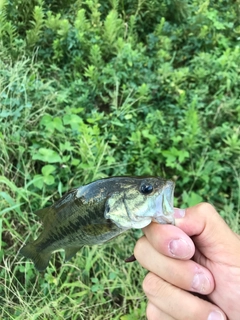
{"points": [[164, 205]]}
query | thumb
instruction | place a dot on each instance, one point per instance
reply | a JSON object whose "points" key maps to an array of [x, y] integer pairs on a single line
{"points": [[211, 235]]}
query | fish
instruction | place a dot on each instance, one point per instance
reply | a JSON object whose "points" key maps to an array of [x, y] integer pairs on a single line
{"points": [[98, 212]]}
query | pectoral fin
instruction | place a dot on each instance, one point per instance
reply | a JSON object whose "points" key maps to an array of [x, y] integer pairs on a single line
{"points": [[71, 252]]}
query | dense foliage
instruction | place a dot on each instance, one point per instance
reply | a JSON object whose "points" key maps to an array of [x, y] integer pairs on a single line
{"points": [[97, 88]]}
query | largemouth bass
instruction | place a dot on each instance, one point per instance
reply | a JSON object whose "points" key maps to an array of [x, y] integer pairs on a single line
{"points": [[99, 211]]}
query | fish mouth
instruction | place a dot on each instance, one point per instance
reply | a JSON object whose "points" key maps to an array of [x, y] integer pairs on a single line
{"points": [[164, 205]]}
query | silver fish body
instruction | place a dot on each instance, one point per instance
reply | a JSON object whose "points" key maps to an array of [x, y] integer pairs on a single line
{"points": [[99, 211]]}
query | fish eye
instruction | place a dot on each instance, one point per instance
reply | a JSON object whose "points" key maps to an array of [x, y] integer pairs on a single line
{"points": [[146, 188]]}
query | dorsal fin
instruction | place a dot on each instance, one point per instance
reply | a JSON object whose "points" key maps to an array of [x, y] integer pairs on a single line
{"points": [[42, 212], [49, 214], [46, 215]]}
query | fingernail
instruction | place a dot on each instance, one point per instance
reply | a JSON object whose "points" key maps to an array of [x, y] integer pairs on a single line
{"points": [[179, 213], [179, 248], [201, 283], [216, 315], [130, 259]]}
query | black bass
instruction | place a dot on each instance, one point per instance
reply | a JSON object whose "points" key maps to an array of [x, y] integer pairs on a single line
{"points": [[99, 211]]}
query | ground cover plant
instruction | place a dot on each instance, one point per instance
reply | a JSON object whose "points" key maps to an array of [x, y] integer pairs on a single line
{"points": [[95, 88]]}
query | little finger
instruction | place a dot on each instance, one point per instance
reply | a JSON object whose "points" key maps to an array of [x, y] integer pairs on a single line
{"points": [[153, 313], [177, 303]]}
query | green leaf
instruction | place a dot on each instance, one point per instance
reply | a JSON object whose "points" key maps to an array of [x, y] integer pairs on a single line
{"points": [[73, 120], [46, 120], [47, 155], [191, 199], [38, 181], [183, 154], [48, 169], [57, 122], [49, 180], [128, 116]]}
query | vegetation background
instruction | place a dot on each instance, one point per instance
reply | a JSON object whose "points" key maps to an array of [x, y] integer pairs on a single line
{"points": [[96, 88]]}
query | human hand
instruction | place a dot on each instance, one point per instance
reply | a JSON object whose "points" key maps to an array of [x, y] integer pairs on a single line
{"points": [[214, 269]]}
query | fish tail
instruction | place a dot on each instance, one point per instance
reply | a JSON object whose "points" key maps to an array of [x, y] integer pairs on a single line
{"points": [[39, 259]]}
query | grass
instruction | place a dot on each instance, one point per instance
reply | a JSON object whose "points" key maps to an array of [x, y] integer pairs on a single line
{"points": [[70, 293], [97, 284]]}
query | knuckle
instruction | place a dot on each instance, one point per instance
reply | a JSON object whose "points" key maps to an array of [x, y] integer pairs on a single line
{"points": [[139, 247], [206, 206], [152, 285], [151, 312]]}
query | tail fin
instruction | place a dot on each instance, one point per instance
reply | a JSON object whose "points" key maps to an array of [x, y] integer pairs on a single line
{"points": [[39, 259]]}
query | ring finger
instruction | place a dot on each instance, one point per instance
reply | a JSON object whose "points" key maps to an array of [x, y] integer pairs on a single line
{"points": [[175, 302]]}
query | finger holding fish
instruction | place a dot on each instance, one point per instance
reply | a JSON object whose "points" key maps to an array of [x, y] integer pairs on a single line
{"points": [[170, 241]]}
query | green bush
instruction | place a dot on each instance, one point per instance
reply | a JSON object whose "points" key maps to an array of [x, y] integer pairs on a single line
{"points": [[90, 89]]}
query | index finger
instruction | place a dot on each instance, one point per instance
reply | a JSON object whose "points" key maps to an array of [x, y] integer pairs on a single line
{"points": [[170, 241], [210, 233]]}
